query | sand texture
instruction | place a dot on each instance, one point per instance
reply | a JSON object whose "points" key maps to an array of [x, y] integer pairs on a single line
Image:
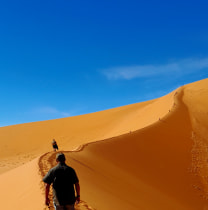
{"points": [[146, 156]]}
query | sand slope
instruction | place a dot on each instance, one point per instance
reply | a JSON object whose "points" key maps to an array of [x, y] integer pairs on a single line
{"points": [[21, 188], [153, 155]]}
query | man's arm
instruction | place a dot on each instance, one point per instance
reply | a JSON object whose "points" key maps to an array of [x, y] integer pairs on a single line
{"points": [[47, 187], [77, 187]]}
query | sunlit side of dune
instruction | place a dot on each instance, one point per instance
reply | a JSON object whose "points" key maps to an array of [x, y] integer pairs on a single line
{"points": [[153, 155], [196, 100], [21, 188]]}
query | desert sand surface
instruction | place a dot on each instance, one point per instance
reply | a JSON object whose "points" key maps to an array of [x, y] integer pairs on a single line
{"points": [[147, 156]]}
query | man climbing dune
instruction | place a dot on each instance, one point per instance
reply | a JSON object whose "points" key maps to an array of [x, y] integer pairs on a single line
{"points": [[54, 145], [64, 179]]}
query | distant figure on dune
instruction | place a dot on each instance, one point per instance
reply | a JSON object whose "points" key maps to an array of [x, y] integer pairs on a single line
{"points": [[54, 145], [64, 179]]}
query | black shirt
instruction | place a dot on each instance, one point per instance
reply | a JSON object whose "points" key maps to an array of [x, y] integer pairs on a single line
{"points": [[63, 178]]}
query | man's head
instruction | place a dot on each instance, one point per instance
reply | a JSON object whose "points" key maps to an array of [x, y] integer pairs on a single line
{"points": [[60, 157]]}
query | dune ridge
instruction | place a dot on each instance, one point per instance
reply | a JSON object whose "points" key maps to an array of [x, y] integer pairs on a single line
{"points": [[151, 155]]}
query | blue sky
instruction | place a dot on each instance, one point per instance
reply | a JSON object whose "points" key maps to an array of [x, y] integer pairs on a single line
{"points": [[66, 58]]}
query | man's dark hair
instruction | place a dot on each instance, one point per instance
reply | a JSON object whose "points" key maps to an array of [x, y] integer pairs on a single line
{"points": [[60, 157]]}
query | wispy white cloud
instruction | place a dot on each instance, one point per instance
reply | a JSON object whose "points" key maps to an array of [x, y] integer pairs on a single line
{"points": [[50, 111], [182, 67]]}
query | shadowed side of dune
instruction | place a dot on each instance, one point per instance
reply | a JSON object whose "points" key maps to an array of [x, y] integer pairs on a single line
{"points": [[148, 169]]}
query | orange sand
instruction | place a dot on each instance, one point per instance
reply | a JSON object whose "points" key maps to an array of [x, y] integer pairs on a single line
{"points": [[149, 156]]}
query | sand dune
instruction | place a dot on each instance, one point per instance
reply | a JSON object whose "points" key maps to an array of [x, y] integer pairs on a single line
{"points": [[151, 155], [26, 141]]}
